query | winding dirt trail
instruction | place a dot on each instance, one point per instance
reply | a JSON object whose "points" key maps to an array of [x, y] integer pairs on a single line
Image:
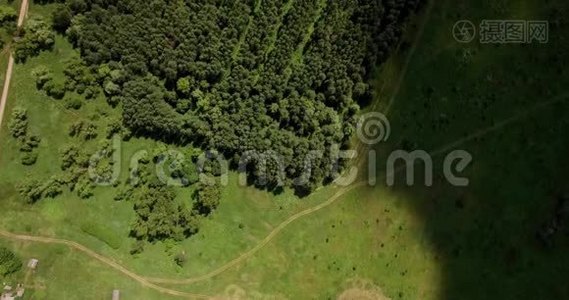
{"points": [[103, 259], [151, 282], [262, 243], [8, 79]]}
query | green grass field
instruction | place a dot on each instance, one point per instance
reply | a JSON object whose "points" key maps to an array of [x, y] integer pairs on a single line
{"points": [[441, 242]]}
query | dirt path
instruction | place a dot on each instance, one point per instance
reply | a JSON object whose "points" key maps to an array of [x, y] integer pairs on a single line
{"points": [[442, 150], [262, 243], [360, 147], [7, 80], [104, 260], [501, 124], [151, 282]]}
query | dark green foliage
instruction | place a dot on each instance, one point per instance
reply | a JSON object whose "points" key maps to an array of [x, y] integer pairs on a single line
{"points": [[71, 156], [9, 262], [19, 123], [19, 129], [114, 127], [90, 131], [137, 247], [125, 194], [84, 188], [73, 103], [85, 130], [30, 190], [61, 18], [224, 75], [180, 259], [53, 187], [42, 75], [37, 37], [7, 15], [91, 92], [78, 76], [206, 198], [160, 217], [76, 128], [77, 6], [29, 158], [54, 89], [29, 143], [145, 110]]}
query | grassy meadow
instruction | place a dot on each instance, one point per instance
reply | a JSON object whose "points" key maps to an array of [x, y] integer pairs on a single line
{"points": [[439, 242]]}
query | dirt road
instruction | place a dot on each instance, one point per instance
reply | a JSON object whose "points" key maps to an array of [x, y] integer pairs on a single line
{"points": [[104, 260], [150, 282], [8, 79]]}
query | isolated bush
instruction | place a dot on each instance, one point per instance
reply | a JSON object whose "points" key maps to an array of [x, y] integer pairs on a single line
{"points": [[29, 158], [85, 130], [55, 89], [29, 143], [19, 124], [73, 103], [76, 128], [33, 141], [180, 259], [42, 75], [206, 198], [90, 131]]}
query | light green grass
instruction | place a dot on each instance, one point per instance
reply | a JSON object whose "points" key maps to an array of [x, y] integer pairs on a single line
{"points": [[66, 274], [412, 243]]}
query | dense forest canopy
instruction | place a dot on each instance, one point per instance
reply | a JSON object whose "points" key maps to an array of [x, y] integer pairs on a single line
{"points": [[265, 75]]}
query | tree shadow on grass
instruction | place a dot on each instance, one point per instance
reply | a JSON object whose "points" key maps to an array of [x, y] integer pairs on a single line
{"points": [[506, 234]]}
